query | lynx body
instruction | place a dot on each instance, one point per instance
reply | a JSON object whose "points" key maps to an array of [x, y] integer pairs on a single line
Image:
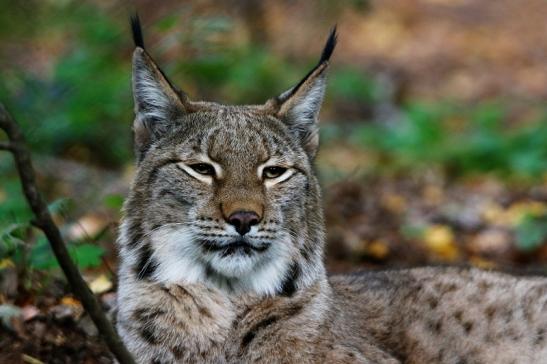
{"points": [[221, 251]]}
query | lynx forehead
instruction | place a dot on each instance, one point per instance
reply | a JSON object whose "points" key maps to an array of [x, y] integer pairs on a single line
{"points": [[221, 191]]}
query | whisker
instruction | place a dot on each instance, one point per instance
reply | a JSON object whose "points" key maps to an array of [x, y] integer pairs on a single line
{"points": [[143, 270]]}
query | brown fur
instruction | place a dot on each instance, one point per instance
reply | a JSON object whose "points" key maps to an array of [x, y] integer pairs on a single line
{"points": [[192, 290]]}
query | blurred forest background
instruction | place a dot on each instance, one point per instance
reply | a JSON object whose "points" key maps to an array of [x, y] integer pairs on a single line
{"points": [[434, 134]]}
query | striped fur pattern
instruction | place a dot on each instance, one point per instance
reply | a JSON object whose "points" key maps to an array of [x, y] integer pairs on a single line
{"points": [[193, 288]]}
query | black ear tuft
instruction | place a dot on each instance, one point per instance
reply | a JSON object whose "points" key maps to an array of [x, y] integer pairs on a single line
{"points": [[325, 56], [329, 46], [137, 31], [299, 106]]}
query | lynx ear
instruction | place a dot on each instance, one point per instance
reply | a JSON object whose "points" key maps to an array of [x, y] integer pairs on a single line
{"points": [[299, 106], [157, 102]]}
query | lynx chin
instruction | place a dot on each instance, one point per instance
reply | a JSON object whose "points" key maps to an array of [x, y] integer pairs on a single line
{"points": [[221, 249]]}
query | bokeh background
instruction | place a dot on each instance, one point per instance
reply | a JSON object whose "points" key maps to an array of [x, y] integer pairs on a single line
{"points": [[434, 133]]}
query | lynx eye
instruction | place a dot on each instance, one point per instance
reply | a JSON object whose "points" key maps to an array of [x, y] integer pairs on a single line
{"points": [[273, 172], [203, 168]]}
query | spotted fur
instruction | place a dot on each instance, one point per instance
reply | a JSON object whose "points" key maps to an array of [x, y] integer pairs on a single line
{"points": [[192, 289]]}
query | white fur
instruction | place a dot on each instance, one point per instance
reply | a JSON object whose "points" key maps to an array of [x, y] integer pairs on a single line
{"points": [[308, 104], [130, 257], [181, 260], [219, 172], [271, 182], [178, 256], [148, 90]]}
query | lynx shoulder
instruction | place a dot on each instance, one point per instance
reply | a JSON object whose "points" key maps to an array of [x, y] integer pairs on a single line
{"points": [[221, 250]]}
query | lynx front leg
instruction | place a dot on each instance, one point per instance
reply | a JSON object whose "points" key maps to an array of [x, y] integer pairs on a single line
{"points": [[177, 324]]}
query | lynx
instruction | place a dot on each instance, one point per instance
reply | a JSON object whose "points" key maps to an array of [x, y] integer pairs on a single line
{"points": [[221, 250]]}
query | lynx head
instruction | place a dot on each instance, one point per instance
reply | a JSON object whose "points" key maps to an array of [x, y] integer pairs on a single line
{"points": [[224, 195]]}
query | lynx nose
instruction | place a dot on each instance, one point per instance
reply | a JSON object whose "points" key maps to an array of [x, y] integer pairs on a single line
{"points": [[243, 220]]}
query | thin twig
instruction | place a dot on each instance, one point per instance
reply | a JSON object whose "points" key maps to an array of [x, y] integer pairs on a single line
{"points": [[44, 221]]}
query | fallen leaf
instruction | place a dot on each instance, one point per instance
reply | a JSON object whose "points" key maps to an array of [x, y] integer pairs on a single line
{"points": [[69, 308], [490, 241], [517, 211], [30, 359], [439, 239], [481, 262], [493, 214], [29, 312], [87, 226], [6, 263], [101, 284], [378, 249], [394, 202], [70, 301]]}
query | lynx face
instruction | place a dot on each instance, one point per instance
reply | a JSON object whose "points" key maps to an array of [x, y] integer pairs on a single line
{"points": [[224, 194]]}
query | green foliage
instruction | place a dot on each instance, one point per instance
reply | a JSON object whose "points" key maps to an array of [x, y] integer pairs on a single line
{"points": [[60, 206], [38, 255], [246, 75], [41, 256], [85, 255], [13, 208], [413, 231], [462, 141], [531, 232], [351, 85], [11, 239], [114, 202], [28, 247], [81, 107]]}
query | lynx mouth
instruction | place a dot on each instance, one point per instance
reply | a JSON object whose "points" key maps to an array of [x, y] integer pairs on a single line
{"points": [[236, 247]]}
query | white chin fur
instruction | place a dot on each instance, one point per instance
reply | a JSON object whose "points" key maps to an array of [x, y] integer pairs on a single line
{"points": [[181, 260], [233, 266]]}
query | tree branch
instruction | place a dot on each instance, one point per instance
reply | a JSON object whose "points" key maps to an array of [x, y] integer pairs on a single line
{"points": [[44, 221]]}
